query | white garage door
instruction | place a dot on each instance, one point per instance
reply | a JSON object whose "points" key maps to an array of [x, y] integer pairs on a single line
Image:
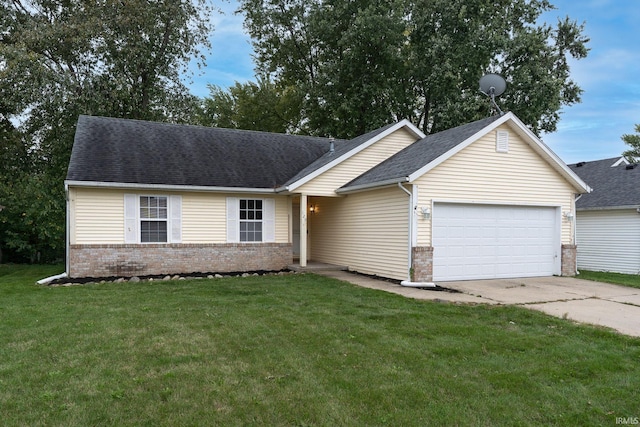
{"points": [[490, 241]]}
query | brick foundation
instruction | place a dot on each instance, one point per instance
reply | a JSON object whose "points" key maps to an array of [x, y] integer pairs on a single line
{"points": [[159, 259], [422, 263], [569, 260]]}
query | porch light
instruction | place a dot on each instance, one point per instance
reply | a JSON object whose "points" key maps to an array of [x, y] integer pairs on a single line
{"points": [[568, 216], [426, 213], [313, 209]]}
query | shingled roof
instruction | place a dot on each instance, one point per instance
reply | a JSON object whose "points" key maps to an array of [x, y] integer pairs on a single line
{"points": [[126, 151], [418, 154], [612, 186]]}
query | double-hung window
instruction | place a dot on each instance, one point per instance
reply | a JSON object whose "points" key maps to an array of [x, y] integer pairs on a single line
{"points": [[250, 220], [153, 219]]}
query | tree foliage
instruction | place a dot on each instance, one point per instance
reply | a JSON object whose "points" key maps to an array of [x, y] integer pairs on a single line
{"points": [[363, 63], [257, 105], [633, 141], [62, 58]]}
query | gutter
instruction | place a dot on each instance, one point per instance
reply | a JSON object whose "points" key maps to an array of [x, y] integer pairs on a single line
{"points": [[607, 208], [125, 185], [67, 232], [361, 187]]}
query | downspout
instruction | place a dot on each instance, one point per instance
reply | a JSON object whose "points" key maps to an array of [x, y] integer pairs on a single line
{"points": [[67, 232], [410, 224], [409, 282]]}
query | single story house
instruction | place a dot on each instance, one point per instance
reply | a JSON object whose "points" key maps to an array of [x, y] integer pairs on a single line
{"points": [[608, 218], [483, 200]]}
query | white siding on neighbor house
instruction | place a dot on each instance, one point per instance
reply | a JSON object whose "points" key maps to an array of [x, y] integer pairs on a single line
{"points": [[331, 180], [98, 215], [367, 231], [479, 174], [609, 240]]}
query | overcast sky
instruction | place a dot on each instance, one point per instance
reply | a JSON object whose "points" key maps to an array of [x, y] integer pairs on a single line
{"points": [[609, 76]]}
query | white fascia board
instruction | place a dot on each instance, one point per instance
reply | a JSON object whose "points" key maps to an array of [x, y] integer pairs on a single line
{"points": [[371, 185], [411, 128], [551, 157], [135, 186], [528, 136], [620, 161], [426, 168]]}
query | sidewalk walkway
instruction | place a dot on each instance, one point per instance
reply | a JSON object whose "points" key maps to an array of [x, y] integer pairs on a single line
{"points": [[416, 293]]}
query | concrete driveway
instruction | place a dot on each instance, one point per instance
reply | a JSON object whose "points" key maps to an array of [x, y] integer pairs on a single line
{"points": [[585, 301]]}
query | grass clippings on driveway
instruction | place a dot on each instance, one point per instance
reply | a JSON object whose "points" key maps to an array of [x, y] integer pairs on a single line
{"points": [[295, 350]]}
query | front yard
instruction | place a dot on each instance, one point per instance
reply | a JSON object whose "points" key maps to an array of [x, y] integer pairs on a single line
{"points": [[295, 350], [631, 280]]}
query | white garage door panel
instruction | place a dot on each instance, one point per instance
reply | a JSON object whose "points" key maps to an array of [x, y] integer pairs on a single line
{"points": [[486, 242]]}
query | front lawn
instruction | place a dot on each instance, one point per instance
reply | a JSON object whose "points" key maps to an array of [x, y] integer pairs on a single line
{"points": [[295, 350], [632, 280]]}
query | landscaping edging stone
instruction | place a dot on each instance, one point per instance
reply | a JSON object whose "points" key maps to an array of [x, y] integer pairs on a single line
{"points": [[164, 278]]}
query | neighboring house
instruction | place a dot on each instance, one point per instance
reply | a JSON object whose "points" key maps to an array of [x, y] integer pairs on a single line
{"points": [[608, 218], [484, 200]]}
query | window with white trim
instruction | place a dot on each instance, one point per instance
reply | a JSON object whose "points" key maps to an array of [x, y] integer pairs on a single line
{"points": [[250, 220], [153, 219]]}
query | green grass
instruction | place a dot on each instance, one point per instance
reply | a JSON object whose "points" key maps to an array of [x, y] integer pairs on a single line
{"points": [[632, 280], [296, 350]]}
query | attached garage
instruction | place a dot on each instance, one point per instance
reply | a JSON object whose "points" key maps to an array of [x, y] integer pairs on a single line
{"points": [[474, 241]]}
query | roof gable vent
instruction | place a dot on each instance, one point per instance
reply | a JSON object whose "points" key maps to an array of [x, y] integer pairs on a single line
{"points": [[502, 141]]}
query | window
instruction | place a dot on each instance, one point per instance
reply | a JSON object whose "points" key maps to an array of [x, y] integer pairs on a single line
{"points": [[250, 220], [153, 219]]}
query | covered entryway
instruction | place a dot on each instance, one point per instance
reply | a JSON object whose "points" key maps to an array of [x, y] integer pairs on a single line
{"points": [[474, 241]]}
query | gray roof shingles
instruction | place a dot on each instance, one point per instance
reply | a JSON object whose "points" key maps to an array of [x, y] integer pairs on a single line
{"points": [[419, 154], [611, 186], [140, 152]]}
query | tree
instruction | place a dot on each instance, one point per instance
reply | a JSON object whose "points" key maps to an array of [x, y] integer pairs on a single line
{"points": [[632, 140], [363, 63], [253, 106], [62, 58]]}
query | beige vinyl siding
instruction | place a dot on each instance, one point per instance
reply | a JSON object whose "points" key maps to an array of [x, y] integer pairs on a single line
{"points": [[366, 231], [204, 218], [98, 215], [609, 240], [331, 180], [479, 174]]}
